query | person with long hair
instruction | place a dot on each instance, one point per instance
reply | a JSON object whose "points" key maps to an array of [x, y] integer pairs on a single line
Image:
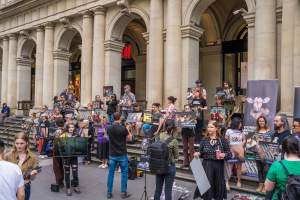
{"points": [[199, 105], [277, 178], [229, 96], [263, 133], [71, 163], [214, 149], [237, 142], [25, 159], [168, 178]]}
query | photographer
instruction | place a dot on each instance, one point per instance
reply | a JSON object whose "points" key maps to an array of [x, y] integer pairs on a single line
{"points": [[168, 178]]}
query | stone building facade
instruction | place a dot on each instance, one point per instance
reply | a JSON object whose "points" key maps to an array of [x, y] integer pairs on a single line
{"points": [[46, 43]]}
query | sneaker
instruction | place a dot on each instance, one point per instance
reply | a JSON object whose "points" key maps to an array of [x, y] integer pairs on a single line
{"points": [[109, 196], [103, 166], [125, 195], [100, 166]]}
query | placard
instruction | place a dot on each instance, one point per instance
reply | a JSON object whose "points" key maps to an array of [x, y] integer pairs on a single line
{"points": [[108, 91], [270, 151], [134, 117], [147, 118], [250, 168], [218, 114], [185, 119], [200, 175], [70, 147]]}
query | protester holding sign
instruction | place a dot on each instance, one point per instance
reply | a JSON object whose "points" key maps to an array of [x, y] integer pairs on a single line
{"points": [[71, 162], [262, 134], [281, 129], [214, 149], [229, 98], [199, 105], [188, 140], [237, 142], [112, 104]]}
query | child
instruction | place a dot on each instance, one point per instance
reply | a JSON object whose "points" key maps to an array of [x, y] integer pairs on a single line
{"points": [[102, 147]]}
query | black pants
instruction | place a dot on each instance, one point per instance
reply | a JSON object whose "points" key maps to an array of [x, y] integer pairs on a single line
{"points": [[214, 170], [262, 169], [71, 163], [168, 179]]}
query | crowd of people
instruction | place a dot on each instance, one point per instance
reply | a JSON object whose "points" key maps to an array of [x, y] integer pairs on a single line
{"points": [[220, 142]]}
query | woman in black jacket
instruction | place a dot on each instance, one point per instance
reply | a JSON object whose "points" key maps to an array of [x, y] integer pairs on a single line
{"points": [[112, 104]]}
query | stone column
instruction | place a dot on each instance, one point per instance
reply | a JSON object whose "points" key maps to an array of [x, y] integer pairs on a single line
{"points": [[172, 72], [12, 72], [287, 58], [24, 79], [113, 64], [4, 70], [250, 20], [296, 70], [154, 74], [265, 40], [40, 40], [48, 70], [98, 52], [190, 58], [61, 70], [87, 58], [140, 75]]}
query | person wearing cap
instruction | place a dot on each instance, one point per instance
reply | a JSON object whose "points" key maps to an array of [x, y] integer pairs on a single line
{"points": [[168, 178]]}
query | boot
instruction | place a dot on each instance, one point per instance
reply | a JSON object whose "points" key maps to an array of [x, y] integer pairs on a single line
{"points": [[260, 187]]}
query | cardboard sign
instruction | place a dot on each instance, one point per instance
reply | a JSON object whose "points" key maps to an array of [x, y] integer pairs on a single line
{"points": [[108, 91], [147, 118], [200, 175], [134, 117]]}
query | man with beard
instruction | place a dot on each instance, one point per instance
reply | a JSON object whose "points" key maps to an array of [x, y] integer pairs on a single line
{"points": [[281, 129], [296, 127]]}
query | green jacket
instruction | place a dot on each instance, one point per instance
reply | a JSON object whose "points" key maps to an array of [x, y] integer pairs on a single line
{"points": [[173, 147]]}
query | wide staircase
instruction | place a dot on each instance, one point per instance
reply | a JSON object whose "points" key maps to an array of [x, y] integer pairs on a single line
{"points": [[13, 124]]}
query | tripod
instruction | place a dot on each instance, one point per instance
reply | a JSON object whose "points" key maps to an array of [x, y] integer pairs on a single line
{"points": [[145, 193]]}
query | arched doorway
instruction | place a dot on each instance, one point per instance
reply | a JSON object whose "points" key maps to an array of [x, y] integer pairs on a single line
{"points": [[223, 45], [134, 59], [67, 62], [26, 63], [125, 52]]}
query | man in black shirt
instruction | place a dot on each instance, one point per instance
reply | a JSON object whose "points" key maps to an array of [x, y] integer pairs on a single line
{"points": [[281, 129], [296, 127], [118, 135]]}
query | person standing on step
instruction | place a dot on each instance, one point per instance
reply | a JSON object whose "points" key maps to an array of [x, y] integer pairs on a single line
{"points": [[127, 102], [214, 149]]}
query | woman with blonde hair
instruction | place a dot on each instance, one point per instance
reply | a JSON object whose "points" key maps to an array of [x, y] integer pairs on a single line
{"points": [[25, 159], [214, 149]]}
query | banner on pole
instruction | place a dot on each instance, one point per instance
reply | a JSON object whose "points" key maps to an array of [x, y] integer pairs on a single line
{"points": [[261, 100]]}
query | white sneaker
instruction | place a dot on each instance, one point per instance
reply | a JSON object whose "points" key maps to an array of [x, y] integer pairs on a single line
{"points": [[100, 166]]}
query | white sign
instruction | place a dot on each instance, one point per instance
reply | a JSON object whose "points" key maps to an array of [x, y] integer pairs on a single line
{"points": [[200, 175]]}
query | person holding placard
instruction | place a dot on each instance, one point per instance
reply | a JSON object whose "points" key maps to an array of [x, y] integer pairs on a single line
{"points": [[214, 149], [237, 142]]}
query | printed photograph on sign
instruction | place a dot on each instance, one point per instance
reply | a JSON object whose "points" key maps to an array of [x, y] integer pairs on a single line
{"points": [[108, 91], [218, 114], [185, 119], [134, 117], [270, 151]]}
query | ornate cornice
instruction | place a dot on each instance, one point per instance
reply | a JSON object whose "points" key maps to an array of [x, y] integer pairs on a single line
{"points": [[146, 37], [111, 45], [100, 10], [48, 25], [61, 55], [26, 62], [86, 14], [279, 15], [24, 33], [12, 36], [250, 19], [190, 31]]}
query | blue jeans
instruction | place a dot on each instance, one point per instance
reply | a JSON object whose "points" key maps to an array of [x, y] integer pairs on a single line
{"points": [[123, 162], [168, 179], [27, 188]]}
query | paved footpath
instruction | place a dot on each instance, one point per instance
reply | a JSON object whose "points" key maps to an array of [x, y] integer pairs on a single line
{"points": [[93, 185]]}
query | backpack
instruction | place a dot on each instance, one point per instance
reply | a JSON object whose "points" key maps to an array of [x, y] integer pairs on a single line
{"points": [[159, 156], [292, 188]]}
